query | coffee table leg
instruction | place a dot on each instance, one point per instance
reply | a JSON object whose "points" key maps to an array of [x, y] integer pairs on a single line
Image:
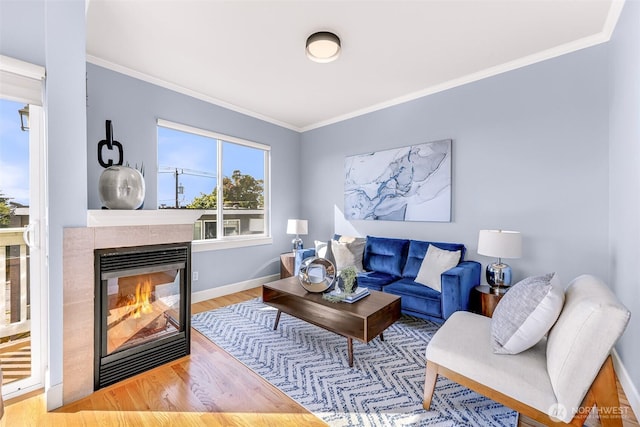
{"points": [[350, 348], [275, 325], [381, 337]]}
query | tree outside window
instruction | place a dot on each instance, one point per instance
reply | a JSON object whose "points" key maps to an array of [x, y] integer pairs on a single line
{"points": [[5, 211]]}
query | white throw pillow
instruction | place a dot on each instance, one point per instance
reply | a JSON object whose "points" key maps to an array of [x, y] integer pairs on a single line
{"points": [[348, 251], [436, 261], [526, 313], [321, 248]]}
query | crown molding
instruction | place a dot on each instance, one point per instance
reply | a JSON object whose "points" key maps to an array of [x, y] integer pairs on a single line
{"points": [[183, 90], [474, 77]]}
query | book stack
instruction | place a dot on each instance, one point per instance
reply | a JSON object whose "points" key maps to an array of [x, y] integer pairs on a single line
{"points": [[358, 294]]}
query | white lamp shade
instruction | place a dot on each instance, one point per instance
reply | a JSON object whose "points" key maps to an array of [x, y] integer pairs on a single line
{"points": [[500, 243], [297, 226]]}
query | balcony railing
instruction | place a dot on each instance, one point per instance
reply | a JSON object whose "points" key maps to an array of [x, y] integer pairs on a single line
{"points": [[15, 318]]}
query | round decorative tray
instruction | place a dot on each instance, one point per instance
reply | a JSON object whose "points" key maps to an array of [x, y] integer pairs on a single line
{"points": [[317, 275]]}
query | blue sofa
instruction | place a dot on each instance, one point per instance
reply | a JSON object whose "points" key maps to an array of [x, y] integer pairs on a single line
{"points": [[391, 265]]}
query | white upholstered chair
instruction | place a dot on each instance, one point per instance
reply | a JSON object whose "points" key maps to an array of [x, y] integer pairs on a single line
{"points": [[555, 382]]}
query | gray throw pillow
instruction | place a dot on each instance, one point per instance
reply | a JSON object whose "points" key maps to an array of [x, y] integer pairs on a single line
{"points": [[526, 313]]}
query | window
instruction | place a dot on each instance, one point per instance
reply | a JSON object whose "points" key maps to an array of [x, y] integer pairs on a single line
{"points": [[191, 164]]}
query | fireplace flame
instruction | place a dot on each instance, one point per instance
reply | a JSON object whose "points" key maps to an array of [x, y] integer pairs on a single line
{"points": [[142, 304]]}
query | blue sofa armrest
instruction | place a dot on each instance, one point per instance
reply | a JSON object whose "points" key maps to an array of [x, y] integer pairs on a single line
{"points": [[301, 255], [457, 284]]}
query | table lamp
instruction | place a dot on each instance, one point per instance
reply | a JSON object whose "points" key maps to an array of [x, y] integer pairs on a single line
{"points": [[499, 244], [297, 227]]}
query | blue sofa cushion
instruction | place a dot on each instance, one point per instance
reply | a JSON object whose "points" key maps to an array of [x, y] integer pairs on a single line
{"points": [[375, 280], [417, 251], [416, 297], [385, 255]]}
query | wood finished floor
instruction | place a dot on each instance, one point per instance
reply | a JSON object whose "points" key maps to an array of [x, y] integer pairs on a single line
{"points": [[207, 388]]}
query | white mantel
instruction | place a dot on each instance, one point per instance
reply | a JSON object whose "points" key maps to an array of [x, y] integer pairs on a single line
{"points": [[115, 218]]}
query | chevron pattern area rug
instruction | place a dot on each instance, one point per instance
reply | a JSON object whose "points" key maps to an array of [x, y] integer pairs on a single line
{"points": [[384, 388]]}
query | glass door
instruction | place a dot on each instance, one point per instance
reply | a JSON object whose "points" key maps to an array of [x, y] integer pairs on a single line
{"points": [[22, 263]]}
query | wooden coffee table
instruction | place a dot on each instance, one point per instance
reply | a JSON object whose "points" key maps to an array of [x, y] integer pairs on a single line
{"points": [[362, 320]]}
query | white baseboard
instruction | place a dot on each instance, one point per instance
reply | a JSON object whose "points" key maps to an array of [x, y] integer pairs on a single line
{"points": [[54, 397], [629, 388], [232, 288]]}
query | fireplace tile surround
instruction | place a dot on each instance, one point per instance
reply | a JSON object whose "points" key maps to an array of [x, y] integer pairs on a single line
{"points": [[78, 291]]}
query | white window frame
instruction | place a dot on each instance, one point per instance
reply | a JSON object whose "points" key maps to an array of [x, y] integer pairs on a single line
{"points": [[24, 82], [222, 241]]}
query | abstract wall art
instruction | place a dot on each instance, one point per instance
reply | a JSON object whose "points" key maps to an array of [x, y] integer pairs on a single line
{"points": [[403, 184]]}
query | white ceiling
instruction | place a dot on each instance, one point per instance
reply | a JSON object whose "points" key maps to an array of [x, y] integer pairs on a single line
{"points": [[249, 55]]}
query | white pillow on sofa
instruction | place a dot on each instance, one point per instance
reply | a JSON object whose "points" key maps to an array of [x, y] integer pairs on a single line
{"points": [[436, 261], [321, 248], [526, 313], [348, 251]]}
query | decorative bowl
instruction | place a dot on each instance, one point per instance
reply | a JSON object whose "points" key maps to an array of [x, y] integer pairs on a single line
{"points": [[317, 275]]}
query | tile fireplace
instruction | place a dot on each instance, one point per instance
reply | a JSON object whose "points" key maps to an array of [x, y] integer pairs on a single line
{"points": [[106, 229], [142, 309]]}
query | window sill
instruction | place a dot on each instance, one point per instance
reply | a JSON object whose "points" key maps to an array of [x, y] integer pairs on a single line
{"points": [[232, 243]]}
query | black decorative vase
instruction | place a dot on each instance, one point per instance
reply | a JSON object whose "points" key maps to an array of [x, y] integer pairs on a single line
{"points": [[340, 284]]}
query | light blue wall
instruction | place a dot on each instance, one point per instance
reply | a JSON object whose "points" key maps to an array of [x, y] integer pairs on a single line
{"points": [[22, 30], [624, 173], [134, 106], [65, 116], [530, 153], [52, 34]]}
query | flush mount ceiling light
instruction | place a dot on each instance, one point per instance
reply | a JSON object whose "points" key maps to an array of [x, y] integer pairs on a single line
{"points": [[323, 46]]}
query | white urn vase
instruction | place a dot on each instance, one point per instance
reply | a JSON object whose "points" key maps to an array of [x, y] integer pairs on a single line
{"points": [[121, 187]]}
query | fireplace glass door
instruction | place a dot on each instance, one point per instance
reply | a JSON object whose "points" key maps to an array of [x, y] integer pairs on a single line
{"points": [[142, 308]]}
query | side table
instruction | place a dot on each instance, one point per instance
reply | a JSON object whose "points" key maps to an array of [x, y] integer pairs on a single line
{"points": [[485, 299], [287, 264]]}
